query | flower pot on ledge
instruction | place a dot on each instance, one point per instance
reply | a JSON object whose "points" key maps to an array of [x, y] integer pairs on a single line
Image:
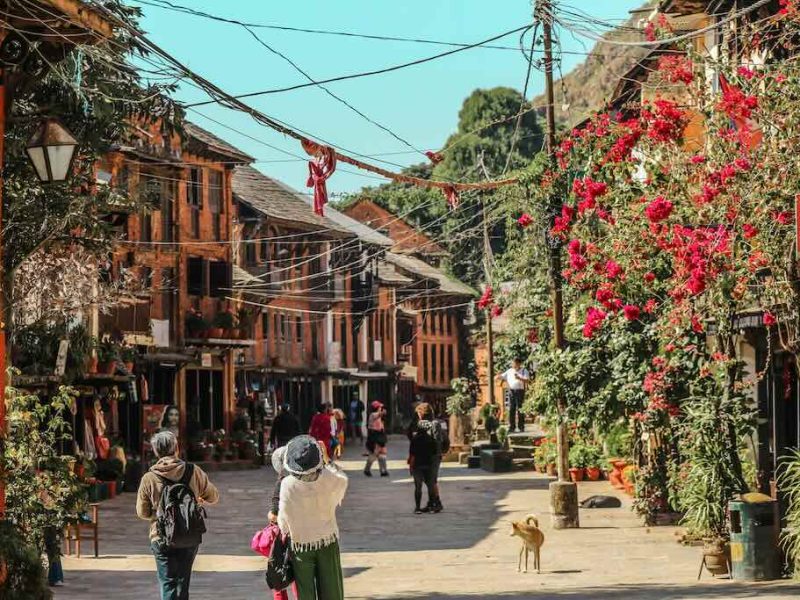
{"points": [[615, 476], [216, 332], [576, 474], [593, 473], [108, 368]]}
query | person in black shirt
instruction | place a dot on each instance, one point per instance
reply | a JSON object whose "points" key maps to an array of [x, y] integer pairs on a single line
{"points": [[285, 426], [422, 452]]}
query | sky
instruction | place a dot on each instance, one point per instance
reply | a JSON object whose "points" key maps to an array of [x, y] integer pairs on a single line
{"points": [[420, 104]]}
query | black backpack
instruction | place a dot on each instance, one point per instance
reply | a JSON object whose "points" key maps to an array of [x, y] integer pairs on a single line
{"points": [[280, 573], [180, 521]]}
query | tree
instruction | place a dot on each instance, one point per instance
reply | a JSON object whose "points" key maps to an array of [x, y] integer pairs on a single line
{"points": [[484, 142]]}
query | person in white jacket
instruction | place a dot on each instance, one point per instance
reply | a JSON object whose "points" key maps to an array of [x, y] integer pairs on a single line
{"points": [[310, 494]]}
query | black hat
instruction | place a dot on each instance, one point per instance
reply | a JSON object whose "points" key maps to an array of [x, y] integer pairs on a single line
{"points": [[303, 456]]}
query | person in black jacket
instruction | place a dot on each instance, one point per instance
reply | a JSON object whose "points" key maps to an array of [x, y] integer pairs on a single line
{"points": [[285, 426], [422, 452]]}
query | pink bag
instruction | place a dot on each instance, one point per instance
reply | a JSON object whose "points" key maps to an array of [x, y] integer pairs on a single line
{"points": [[262, 541]]}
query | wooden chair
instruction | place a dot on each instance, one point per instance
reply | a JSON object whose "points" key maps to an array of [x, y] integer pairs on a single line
{"points": [[74, 533]]}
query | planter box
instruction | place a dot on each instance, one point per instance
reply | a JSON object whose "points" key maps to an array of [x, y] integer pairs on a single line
{"points": [[497, 461], [481, 446], [474, 462]]}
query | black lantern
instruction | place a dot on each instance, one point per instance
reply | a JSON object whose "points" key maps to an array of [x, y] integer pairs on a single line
{"points": [[51, 150]]}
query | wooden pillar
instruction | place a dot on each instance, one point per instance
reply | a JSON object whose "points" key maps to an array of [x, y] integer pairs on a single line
{"points": [[3, 315]]}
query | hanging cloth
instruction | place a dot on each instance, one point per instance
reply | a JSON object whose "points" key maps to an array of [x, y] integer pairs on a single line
{"points": [[320, 168], [451, 194]]}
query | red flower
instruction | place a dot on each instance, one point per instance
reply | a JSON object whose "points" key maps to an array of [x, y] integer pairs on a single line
{"points": [[782, 217], [698, 159], [769, 319], [594, 319], [677, 68], [667, 124], [650, 32], [533, 336], [658, 210], [486, 299], [613, 270], [562, 223], [524, 220], [749, 231], [650, 306], [746, 72], [696, 284], [649, 277], [497, 310], [631, 312], [697, 325]]}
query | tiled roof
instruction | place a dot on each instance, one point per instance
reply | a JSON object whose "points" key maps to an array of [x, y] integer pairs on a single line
{"points": [[278, 201], [419, 267], [215, 144], [367, 234], [388, 274]]}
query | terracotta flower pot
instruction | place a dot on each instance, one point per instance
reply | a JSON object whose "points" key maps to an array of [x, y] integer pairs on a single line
{"points": [[593, 473], [717, 557], [216, 332], [615, 476], [91, 365], [576, 474], [108, 368], [552, 470], [129, 366], [112, 489]]}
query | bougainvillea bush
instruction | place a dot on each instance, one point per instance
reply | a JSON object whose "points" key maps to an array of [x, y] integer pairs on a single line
{"points": [[673, 219]]}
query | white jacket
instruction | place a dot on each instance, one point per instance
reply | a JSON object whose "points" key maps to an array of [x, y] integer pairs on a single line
{"points": [[307, 509]]}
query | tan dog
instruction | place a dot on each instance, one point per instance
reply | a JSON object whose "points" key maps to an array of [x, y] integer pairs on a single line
{"points": [[532, 541]]}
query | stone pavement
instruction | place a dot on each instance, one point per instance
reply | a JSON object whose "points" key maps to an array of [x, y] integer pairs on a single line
{"points": [[465, 552]]}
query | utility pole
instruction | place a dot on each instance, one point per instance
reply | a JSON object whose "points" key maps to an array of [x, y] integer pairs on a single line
{"points": [[487, 270], [563, 493]]}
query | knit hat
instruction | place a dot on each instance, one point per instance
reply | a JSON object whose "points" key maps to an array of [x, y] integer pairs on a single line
{"points": [[303, 456], [277, 459]]}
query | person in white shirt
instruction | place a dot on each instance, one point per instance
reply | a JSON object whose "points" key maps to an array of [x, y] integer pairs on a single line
{"points": [[515, 378]]}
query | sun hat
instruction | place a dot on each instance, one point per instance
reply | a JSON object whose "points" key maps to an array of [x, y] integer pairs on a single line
{"points": [[277, 459], [303, 456]]}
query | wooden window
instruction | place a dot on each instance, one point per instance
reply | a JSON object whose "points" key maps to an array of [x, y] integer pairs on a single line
{"points": [[194, 197], [250, 257], [145, 226], [448, 321], [167, 206], [276, 329], [298, 330], [216, 202], [434, 364], [424, 362], [220, 279], [265, 325], [167, 287], [442, 374], [196, 276], [264, 244], [314, 340], [283, 328], [343, 338], [451, 367]]}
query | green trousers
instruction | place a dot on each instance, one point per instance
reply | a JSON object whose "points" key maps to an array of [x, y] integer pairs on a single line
{"points": [[318, 573]]}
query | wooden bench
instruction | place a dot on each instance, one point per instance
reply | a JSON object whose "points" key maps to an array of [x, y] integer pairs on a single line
{"points": [[74, 533]]}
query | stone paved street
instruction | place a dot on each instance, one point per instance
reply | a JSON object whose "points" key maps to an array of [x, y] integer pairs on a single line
{"points": [[464, 552]]}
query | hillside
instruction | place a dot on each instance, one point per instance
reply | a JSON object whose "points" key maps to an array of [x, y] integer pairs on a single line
{"points": [[589, 85]]}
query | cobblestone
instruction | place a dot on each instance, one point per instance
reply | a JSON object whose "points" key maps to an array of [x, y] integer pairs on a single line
{"points": [[389, 553]]}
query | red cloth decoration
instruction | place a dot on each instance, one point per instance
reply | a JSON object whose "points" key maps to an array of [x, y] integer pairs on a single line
{"points": [[452, 196], [434, 157], [319, 170]]}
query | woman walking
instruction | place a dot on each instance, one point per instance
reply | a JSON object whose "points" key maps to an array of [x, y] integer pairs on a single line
{"points": [[420, 461], [309, 496], [376, 440], [322, 427], [426, 421]]}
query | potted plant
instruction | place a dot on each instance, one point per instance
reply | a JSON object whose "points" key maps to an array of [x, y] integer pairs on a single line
{"points": [[128, 355], [196, 325], [223, 324], [577, 461], [538, 459], [593, 459], [107, 354], [629, 474]]}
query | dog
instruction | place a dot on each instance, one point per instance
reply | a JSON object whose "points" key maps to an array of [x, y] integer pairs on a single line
{"points": [[532, 541]]}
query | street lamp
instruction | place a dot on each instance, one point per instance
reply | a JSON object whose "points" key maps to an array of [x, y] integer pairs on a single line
{"points": [[51, 149]]}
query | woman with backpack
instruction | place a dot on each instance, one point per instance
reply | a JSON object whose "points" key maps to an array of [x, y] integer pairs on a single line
{"points": [[426, 421], [376, 440], [309, 496], [175, 535]]}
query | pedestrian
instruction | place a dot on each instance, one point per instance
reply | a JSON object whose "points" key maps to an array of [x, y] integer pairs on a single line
{"points": [[173, 564], [376, 439], [285, 426], [274, 507], [420, 461], [339, 420], [321, 427], [426, 421], [515, 378], [309, 496], [356, 418]]}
